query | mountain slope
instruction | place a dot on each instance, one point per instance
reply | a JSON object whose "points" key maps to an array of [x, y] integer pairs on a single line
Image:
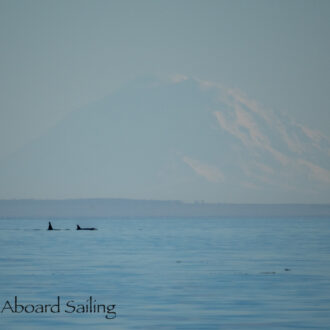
{"points": [[173, 139]]}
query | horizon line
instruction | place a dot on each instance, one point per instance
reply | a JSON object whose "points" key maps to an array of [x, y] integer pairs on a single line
{"points": [[156, 200]]}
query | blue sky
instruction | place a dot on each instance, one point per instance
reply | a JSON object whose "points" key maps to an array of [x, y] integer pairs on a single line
{"points": [[61, 56]]}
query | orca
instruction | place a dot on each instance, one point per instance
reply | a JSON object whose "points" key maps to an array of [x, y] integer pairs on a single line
{"points": [[50, 227], [90, 228]]}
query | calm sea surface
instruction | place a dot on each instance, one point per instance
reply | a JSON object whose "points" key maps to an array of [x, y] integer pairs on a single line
{"points": [[169, 273]]}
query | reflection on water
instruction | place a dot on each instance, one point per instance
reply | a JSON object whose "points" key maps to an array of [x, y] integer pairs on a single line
{"points": [[169, 273]]}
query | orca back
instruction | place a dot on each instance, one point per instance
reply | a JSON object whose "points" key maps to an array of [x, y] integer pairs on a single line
{"points": [[91, 228]]}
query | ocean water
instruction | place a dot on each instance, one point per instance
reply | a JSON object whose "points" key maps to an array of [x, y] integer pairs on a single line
{"points": [[168, 273]]}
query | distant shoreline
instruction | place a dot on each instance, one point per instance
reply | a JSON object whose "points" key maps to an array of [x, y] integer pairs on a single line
{"points": [[115, 207]]}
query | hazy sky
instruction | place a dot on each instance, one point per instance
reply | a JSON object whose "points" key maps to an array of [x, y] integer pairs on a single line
{"points": [[58, 56]]}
